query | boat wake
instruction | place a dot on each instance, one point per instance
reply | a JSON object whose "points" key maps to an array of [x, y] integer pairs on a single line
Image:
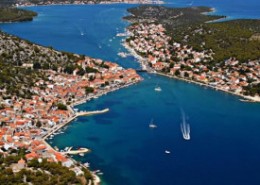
{"points": [[185, 128]]}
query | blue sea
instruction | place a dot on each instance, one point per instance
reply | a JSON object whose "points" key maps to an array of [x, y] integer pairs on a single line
{"points": [[225, 133]]}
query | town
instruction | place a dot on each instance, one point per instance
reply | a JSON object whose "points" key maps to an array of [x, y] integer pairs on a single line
{"points": [[81, 2], [25, 122], [161, 53]]}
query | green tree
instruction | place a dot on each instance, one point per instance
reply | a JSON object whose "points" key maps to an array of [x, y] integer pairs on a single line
{"points": [[61, 106], [89, 90]]}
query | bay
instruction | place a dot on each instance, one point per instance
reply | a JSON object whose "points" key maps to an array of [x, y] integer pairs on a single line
{"points": [[225, 133]]}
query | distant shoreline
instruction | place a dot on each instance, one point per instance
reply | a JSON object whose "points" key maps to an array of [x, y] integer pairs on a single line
{"points": [[101, 3]]}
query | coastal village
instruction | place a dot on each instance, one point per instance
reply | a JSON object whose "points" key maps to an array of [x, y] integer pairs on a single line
{"points": [[26, 122], [162, 55], [81, 2]]}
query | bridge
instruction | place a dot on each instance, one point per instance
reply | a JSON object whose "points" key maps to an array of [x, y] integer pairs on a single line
{"points": [[141, 70]]}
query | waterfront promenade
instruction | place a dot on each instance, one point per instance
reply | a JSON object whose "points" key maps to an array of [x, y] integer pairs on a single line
{"points": [[75, 115], [245, 98], [144, 66]]}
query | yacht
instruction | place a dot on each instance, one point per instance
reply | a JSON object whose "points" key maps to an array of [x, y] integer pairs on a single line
{"points": [[152, 125], [167, 151], [122, 54], [158, 89]]}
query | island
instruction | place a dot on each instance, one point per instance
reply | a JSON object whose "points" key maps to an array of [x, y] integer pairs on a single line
{"points": [[192, 45], [38, 88]]}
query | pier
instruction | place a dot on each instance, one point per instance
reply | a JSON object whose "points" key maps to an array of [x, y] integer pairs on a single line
{"points": [[87, 113], [75, 152], [77, 114]]}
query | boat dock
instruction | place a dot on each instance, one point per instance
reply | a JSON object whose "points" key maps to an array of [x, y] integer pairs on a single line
{"points": [[87, 113], [75, 152], [77, 114]]}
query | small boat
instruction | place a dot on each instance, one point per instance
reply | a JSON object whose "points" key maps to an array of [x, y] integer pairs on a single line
{"points": [[81, 154], [167, 151], [86, 164], [152, 125], [121, 34], [157, 88], [122, 54]]}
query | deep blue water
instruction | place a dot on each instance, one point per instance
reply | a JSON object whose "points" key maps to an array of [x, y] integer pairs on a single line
{"points": [[225, 133]]}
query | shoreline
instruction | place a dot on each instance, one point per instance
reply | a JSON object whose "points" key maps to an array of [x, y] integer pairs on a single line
{"points": [[96, 178], [87, 113], [101, 3], [142, 61], [246, 98]]}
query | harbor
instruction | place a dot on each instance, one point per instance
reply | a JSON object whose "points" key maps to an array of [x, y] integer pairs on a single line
{"points": [[76, 114]]}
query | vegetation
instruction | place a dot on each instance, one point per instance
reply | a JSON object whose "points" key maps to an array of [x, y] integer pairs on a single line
{"points": [[89, 90], [252, 89], [17, 80], [22, 64], [43, 172], [190, 26], [61, 106], [13, 15], [226, 39]]}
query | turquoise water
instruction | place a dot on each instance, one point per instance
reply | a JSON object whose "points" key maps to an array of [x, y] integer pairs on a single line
{"points": [[225, 133]]}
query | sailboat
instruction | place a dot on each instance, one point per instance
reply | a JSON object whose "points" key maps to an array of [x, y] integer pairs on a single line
{"points": [[185, 128], [152, 125]]}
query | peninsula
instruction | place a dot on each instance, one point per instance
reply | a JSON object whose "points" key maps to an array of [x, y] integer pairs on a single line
{"points": [[38, 88], [188, 44], [8, 14]]}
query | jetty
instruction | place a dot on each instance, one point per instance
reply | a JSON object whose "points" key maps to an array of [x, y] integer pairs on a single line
{"points": [[87, 113], [77, 114], [75, 152]]}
